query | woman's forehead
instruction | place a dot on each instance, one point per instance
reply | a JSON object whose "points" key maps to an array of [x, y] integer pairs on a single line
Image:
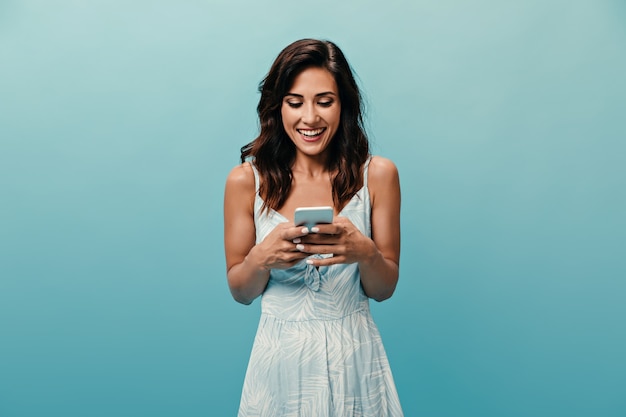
{"points": [[313, 82]]}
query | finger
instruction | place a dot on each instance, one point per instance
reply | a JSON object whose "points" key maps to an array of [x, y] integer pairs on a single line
{"points": [[294, 232], [293, 247], [327, 229], [297, 257], [293, 257], [320, 239], [317, 249], [334, 260]]}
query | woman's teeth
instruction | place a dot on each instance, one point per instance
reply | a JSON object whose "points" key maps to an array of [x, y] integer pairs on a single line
{"points": [[311, 133]]}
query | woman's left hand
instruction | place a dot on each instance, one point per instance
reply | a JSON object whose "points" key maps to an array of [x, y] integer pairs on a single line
{"points": [[340, 238]]}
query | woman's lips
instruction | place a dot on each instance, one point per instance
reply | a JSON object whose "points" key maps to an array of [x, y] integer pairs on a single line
{"points": [[311, 135]]}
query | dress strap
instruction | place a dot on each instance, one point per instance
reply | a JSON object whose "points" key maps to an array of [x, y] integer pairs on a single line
{"points": [[365, 169], [257, 183]]}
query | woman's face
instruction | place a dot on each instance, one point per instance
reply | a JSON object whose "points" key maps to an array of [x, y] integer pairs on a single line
{"points": [[311, 111]]}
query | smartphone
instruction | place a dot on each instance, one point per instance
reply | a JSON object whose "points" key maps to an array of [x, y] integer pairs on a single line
{"points": [[310, 216]]}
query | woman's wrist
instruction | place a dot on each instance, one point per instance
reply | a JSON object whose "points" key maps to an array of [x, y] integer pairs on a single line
{"points": [[371, 254], [255, 262]]}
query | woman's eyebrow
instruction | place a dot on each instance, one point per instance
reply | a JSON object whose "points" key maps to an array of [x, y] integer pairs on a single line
{"points": [[325, 93]]}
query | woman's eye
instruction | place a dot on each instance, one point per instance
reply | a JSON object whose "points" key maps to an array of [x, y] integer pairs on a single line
{"points": [[294, 105], [325, 103]]}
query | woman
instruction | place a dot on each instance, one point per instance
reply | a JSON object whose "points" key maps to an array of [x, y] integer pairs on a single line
{"points": [[317, 351]]}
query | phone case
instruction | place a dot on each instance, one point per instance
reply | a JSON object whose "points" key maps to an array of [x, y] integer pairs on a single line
{"points": [[310, 216]]}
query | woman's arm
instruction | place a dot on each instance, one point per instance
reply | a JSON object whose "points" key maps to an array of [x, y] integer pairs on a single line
{"points": [[246, 278], [379, 271], [248, 265]]}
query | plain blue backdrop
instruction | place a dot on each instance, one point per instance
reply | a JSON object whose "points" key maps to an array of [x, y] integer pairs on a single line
{"points": [[119, 122]]}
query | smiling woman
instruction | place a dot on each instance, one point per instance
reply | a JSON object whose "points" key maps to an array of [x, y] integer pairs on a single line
{"points": [[317, 350]]}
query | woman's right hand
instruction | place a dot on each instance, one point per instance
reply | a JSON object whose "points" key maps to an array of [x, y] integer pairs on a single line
{"points": [[278, 250]]}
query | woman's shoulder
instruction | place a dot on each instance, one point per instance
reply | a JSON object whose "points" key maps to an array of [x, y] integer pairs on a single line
{"points": [[241, 178], [383, 182], [381, 170]]}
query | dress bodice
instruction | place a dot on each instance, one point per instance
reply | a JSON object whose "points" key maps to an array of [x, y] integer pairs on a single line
{"points": [[304, 292]]}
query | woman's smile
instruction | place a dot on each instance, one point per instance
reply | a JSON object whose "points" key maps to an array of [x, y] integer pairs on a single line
{"points": [[311, 135]]}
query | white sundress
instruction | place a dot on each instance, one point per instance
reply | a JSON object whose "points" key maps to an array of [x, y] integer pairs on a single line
{"points": [[317, 351]]}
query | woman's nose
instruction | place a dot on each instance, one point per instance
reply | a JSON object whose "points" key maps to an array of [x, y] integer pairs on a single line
{"points": [[309, 114]]}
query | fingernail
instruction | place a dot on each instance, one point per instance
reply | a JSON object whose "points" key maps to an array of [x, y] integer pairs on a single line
{"points": [[305, 230], [309, 262], [297, 240], [299, 246], [315, 229]]}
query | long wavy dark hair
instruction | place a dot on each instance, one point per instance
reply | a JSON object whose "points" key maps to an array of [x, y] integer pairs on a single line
{"points": [[274, 152]]}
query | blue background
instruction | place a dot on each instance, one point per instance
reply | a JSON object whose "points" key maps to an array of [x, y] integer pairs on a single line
{"points": [[119, 122]]}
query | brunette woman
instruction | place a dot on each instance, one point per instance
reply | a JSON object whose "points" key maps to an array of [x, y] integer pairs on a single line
{"points": [[317, 351]]}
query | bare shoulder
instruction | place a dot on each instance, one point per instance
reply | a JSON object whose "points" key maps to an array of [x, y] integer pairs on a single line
{"points": [[382, 172], [240, 189], [241, 178]]}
